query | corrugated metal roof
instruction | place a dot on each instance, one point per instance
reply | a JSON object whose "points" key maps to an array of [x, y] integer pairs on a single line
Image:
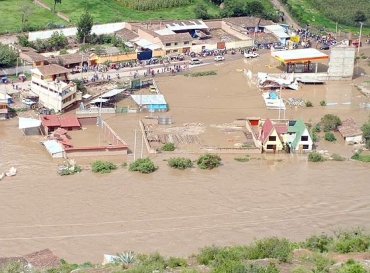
{"points": [[112, 93], [53, 147], [149, 99]]}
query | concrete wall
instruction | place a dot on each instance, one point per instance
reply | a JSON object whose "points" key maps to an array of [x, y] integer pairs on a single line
{"points": [[214, 24], [97, 29], [342, 61], [227, 28]]}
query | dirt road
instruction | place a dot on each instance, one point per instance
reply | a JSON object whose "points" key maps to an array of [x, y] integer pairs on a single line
{"points": [[288, 19]]}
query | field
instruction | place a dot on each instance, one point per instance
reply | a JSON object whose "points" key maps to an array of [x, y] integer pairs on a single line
{"points": [[328, 13], [102, 12]]}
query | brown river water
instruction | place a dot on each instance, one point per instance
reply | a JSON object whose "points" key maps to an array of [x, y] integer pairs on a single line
{"points": [[84, 216]]}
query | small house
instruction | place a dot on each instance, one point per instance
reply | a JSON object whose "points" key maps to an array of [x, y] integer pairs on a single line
{"points": [[350, 131], [51, 123], [298, 138], [269, 137]]}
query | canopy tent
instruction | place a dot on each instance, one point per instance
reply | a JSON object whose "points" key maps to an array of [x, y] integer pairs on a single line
{"points": [[25, 123], [98, 100], [86, 96], [299, 55], [151, 101]]}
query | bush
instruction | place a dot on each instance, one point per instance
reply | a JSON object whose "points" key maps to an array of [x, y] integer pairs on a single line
{"points": [[273, 247], [143, 165], [319, 243], [337, 157], [315, 157], [200, 74], [351, 266], [180, 163], [309, 104], [330, 122], [168, 147], [301, 269], [103, 166], [322, 103], [207, 254], [351, 240], [322, 262], [176, 262], [329, 137], [208, 161]]}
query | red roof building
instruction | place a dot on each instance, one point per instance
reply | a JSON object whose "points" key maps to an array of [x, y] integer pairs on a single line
{"points": [[266, 129], [51, 123]]}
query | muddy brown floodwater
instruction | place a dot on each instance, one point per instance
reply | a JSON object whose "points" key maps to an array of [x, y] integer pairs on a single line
{"points": [[81, 217]]}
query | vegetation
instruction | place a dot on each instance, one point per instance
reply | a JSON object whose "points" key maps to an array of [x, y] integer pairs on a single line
{"points": [[168, 147], [55, 3], [337, 157], [143, 165], [365, 128], [202, 73], [360, 157], [351, 266], [308, 104], [7, 57], [180, 163], [69, 169], [126, 258], [237, 8], [242, 159], [322, 103], [84, 26], [315, 157], [329, 136], [100, 166], [330, 122], [208, 161], [154, 4]]}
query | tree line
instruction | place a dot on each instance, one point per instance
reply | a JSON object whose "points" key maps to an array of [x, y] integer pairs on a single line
{"points": [[154, 4]]}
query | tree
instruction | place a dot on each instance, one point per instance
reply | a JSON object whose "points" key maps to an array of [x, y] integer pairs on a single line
{"points": [[359, 16], [365, 128], [330, 122], [84, 26], [58, 40], [217, 2], [142, 165], [26, 11], [103, 166], [180, 163], [168, 147], [208, 161], [55, 3], [7, 56], [255, 8], [201, 11]]}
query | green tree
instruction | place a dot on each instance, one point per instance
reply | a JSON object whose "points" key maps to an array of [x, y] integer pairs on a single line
{"points": [[55, 3], [330, 122], [217, 2], [180, 163], [201, 11], [208, 161], [359, 16], [58, 40], [365, 128], [255, 8], [100, 166], [168, 147], [7, 56], [142, 165], [84, 26], [330, 137]]}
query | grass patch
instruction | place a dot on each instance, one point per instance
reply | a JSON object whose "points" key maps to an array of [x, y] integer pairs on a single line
{"points": [[202, 73], [245, 158], [361, 157]]}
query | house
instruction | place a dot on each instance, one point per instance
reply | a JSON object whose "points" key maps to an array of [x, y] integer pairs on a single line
{"points": [[269, 137], [51, 84], [50, 123], [70, 60], [4, 101], [29, 55], [298, 137], [42, 259], [350, 131]]}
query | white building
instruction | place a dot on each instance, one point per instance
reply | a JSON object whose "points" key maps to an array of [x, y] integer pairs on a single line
{"points": [[51, 84]]}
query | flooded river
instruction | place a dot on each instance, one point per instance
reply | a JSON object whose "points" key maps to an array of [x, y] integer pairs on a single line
{"points": [[84, 216]]}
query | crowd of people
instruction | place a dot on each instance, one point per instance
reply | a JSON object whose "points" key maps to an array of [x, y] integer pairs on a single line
{"points": [[308, 37]]}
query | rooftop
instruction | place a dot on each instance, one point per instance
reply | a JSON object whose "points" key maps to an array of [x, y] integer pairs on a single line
{"points": [[299, 55], [265, 38], [349, 128], [126, 34], [246, 22], [51, 69], [60, 121], [67, 59]]}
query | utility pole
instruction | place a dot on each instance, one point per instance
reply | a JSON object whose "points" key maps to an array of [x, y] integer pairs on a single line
{"points": [[142, 145], [336, 30], [359, 38], [135, 145]]}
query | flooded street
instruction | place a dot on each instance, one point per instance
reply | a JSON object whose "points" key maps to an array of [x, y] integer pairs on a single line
{"points": [[84, 216]]}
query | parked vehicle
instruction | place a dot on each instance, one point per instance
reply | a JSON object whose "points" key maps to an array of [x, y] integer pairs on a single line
{"points": [[251, 55], [195, 61], [280, 48], [325, 47], [219, 58], [28, 102]]}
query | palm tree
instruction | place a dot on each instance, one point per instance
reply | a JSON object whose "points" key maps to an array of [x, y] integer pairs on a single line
{"points": [[127, 258]]}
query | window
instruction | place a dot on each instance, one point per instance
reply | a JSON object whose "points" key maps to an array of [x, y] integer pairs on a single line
{"points": [[272, 138], [304, 138], [305, 147], [175, 43], [186, 43], [168, 44], [270, 147]]}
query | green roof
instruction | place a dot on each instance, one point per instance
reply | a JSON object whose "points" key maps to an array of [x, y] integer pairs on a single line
{"points": [[298, 129]]}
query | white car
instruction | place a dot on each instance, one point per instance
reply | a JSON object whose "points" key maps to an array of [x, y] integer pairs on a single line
{"points": [[219, 58], [28, 102], [251, 55]]}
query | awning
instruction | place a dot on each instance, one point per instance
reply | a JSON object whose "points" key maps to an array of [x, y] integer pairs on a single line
{"points": [[146, 44], [86, 96], [299, 55], [98, 100], [53, 147], [25, 123], [112, 93]]}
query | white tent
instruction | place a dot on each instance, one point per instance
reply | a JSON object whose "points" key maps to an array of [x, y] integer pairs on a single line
{"points": [[54, 148], [25, 123]]}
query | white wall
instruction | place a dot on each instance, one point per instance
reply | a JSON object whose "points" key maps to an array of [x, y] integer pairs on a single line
{"points": [[97, 29]]}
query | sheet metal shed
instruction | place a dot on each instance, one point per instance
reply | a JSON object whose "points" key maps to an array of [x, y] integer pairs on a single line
{"points": [[151, 101], [54, 148], [299, 55], [112, 93]]}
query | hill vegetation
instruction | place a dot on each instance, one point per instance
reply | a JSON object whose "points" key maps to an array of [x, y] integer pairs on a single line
{"points": [[344, 251]]}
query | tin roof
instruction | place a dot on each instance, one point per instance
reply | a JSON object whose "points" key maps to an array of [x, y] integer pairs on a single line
{"points": [[349, 128], [60, 121], [51, 69]]}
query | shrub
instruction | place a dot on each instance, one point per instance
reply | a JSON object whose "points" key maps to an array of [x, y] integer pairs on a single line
{"points": [[168, 147], [351, 266], [180, 163], [322, 103], [273, 247], [351, 240], [330, 122], [337, 157], [329, 137], [100, 166], [143, 165], [301, 269], [358, 156], [207, 254], [176, 262], [315, 157], [322, 262], [319, 243], [200, 74], [208, 161], [309, 104], [242, 159]]}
